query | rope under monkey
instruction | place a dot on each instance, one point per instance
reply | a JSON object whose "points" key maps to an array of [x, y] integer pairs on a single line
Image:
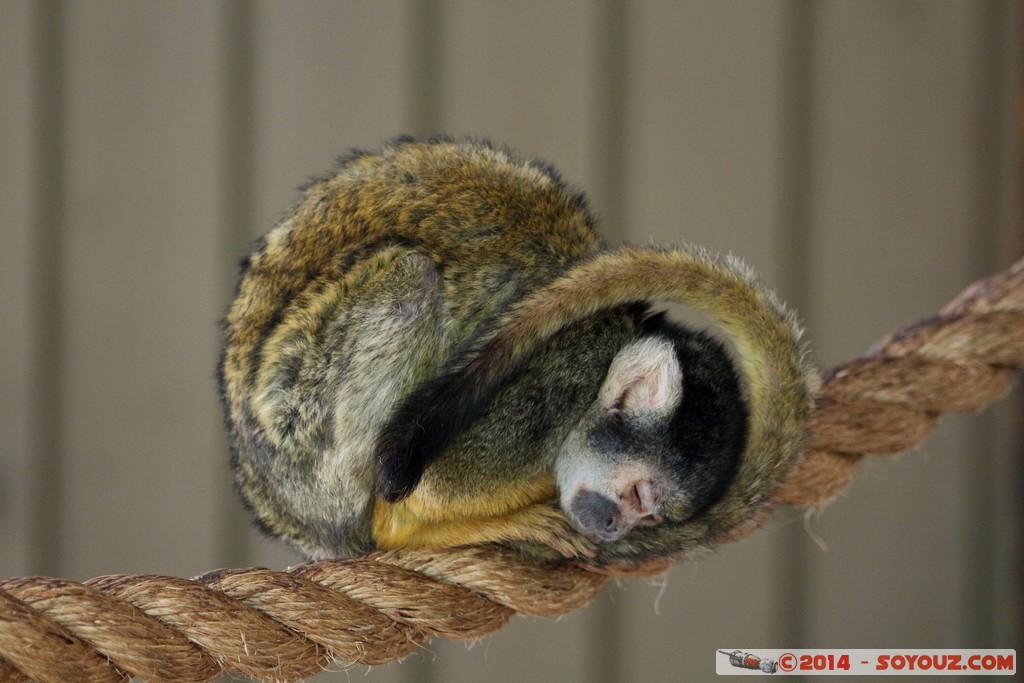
{"points": [[289, 625]]}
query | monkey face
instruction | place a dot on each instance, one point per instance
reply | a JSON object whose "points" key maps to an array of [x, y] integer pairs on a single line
{"points": [[602, 518], [605, 502], [659, 445]]}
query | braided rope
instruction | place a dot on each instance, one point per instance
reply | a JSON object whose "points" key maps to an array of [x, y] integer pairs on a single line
{"points": [[890, 399], [288, 625]]}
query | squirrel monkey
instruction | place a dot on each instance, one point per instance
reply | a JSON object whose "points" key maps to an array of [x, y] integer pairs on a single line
{"points": [[435, 349]]}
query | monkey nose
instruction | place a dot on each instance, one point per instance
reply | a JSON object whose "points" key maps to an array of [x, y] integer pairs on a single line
{"points": [[641, 498], [647, 497], [639, 503], [598, 515]]}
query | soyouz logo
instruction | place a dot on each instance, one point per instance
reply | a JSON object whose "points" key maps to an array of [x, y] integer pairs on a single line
{"points": [[732, 662]]}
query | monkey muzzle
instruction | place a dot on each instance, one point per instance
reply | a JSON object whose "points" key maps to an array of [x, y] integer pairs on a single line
{"points": [[601, 518]]}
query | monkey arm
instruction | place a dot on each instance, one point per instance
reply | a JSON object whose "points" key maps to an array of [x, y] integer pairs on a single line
{"points": [[770, 359], [420, 521], [344, 350]]}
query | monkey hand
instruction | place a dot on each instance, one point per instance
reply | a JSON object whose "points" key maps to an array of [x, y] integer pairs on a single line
{"points": [[547, 524], [412, 524]]}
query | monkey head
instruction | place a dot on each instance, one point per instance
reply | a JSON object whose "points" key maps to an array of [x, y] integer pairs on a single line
{"points": [[660, 444]]}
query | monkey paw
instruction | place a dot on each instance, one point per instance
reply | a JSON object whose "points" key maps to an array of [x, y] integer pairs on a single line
{"points": [[549, 526]]}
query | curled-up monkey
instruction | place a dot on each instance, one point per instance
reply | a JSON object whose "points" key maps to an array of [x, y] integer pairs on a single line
{"points": [[434, 349]]}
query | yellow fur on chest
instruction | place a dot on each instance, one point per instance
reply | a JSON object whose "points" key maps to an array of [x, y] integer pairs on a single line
{"points": [[428, 519]]}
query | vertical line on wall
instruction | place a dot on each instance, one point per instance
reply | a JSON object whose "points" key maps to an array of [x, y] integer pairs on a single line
{"points": [[48, 285], [1013, 619], [989, 105], [236, 206], [603, 660], [788, 622], [238, 134], [609, 109], [992, 106], [424, 110], [796, 153]]}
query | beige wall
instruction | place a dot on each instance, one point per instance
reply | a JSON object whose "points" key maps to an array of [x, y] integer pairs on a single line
{"points": [[862, 155]]}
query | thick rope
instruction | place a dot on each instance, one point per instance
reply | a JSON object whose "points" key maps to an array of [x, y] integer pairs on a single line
{"points": [[283, 626], [890, 399]]}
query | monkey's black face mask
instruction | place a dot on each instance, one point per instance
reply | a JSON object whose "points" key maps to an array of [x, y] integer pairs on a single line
{"points": [[654, 473]]}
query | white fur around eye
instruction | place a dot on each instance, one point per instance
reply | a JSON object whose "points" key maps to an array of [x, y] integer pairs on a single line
{"points": [[644, 377]]}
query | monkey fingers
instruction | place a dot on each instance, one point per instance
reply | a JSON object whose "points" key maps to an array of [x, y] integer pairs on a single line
{"points": [[548, 525], [395, 526]]}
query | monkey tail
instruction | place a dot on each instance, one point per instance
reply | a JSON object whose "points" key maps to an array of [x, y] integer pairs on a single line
{"points": [[777, 377]]}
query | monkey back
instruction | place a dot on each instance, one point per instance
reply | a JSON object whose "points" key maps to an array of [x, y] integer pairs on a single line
{"points": [[495, 227]]}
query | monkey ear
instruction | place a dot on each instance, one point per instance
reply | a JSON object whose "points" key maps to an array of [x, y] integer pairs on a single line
{"points": [[644, 377]]}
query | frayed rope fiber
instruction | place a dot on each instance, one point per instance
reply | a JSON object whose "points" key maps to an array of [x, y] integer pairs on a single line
{"points": [[289, 625]]}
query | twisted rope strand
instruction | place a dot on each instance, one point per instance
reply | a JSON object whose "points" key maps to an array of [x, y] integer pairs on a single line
{"points": [[278, 626], [284, 626], [889, 400]]}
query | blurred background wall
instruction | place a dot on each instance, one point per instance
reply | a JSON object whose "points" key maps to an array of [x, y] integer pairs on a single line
{"points": [[864, 156]]}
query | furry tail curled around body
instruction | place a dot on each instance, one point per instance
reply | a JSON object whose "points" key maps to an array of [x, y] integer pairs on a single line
{"points": [[778, 379]]}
